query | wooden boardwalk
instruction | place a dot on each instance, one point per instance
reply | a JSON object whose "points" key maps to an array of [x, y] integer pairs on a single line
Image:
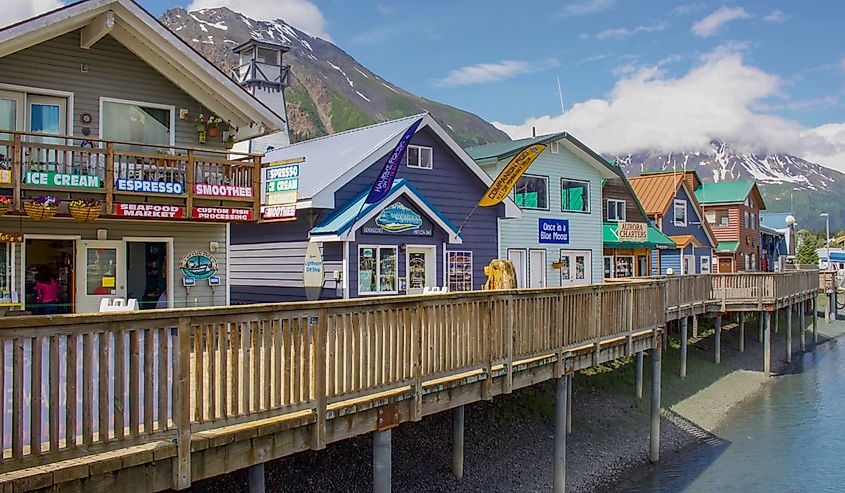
{"points": [[159, 399]]}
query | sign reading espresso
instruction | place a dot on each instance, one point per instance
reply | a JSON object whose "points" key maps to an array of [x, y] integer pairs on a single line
{"points": [[632, 232]]}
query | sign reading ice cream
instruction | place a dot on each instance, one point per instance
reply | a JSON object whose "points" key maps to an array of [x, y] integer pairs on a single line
{"points": [[49, 179]]}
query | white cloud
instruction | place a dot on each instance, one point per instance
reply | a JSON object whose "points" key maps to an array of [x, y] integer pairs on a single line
{"points": [[647, 110], [19, 10], [484, 73], [776, 17], [302, 14], [689, 8], [710, 25], [585, 7], [624, 32]]}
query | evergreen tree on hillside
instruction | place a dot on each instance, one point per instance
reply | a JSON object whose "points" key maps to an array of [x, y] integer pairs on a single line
{"points": [[806, 253]]}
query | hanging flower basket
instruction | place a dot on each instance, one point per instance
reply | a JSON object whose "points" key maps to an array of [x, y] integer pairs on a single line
{"points": [[42, 208], [5, 204], [85, 210]]}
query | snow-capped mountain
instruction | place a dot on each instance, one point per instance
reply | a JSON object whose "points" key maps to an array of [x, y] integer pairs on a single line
{"points": [[330, 91], [788, 182]]}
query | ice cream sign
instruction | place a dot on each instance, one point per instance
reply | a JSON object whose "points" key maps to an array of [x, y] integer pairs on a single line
{"points": [[63, 180], [280, 185]]}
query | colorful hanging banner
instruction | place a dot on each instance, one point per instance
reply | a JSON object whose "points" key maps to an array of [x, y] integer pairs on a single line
{"points": [[503, 184], [384, 182]]}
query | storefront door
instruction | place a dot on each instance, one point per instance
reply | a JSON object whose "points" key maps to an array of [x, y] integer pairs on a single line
{"points": [[537, 269], [575, 267], [421, 269], [725, 264], [100, 273]]}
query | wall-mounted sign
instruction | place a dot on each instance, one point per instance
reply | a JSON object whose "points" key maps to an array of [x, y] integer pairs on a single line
{"points": [[632, 232], [553, 231], [10, 237], [51, 179], [5, 174], [222, 214], [312, 271], [146, 186], [398, 219], [278, 211], [280, 185], [153, 211], [222, 190], [198, 265]]}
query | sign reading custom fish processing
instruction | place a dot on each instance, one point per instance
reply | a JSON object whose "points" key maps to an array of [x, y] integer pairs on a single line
{"points": [[280, 191], [222, 214], [503, 183], [398, 219], [147, 186], [222, 190], [198, 265], [63, 180]]}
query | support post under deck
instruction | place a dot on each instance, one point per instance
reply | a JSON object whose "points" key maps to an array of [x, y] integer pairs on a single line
{"points": [[717, 356], [767, 345], [458, 442], [695, 327], [684, 343], [559, 484], [762, 322], [638, 380], [815, 319], [256, 478], [654, 443], [741, 332], [382, 467], [569, 405], [802, 321], [831, 302], [789, 334]]}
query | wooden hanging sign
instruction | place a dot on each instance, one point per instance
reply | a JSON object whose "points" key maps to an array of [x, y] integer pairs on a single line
{"points": [[10, 237]]}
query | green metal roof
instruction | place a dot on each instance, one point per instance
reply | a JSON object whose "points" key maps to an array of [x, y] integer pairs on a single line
{"points": [[727, 246], [726, 192], [655, 238]]}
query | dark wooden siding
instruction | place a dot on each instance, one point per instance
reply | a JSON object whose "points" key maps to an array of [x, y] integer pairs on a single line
{"points": [[615, 188]]}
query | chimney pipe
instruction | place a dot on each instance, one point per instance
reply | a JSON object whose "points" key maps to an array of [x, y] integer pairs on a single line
{"points": [[533, 131]]}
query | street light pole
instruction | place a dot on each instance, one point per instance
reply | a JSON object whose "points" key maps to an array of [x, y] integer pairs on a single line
{"points": [[826, 217]]}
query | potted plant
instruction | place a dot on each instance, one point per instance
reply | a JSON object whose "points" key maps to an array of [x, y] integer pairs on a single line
{"points": [[42, 208], [85, 209], [5, 204], [200, 123], [213, 124], [229, 142]]}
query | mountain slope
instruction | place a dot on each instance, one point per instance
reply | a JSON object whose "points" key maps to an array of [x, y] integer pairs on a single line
{"points": [[330, 91], [788, 183]]}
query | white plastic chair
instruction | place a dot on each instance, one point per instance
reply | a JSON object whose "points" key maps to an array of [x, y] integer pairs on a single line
{"points": [[118, 305]]}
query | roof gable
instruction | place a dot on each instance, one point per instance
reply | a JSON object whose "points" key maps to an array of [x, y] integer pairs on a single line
{"points": [[659, 190], [729, 192], [141, 33]]}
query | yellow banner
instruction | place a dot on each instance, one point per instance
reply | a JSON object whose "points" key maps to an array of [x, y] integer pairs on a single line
{"points": [[503, 184]]}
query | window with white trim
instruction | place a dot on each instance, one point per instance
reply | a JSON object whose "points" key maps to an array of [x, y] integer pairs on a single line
{"points": [[680, 212], [532, 192], [142, 123], [459, 271], [554, 147], [615, 210], [574, 195], [608, 267], [419, 157], [377, 270], [705, 265]]}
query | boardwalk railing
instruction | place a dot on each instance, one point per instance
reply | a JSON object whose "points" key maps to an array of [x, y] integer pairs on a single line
{"points": [[750, 288], [81, 384]]}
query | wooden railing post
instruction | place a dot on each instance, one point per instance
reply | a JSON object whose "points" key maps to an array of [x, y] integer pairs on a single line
{"points": [[486, 331], [17, 171], [256, 187], [190, 173], [416, 317], [110, 178], [182, 406], [319, 378], [629, 348], [509, 334]]}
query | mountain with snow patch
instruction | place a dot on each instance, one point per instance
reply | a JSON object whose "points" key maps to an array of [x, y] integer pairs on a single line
{"points": [[330, 91]]}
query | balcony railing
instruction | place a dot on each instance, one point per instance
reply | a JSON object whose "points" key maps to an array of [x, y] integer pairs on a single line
{"points": [[127, 173]]}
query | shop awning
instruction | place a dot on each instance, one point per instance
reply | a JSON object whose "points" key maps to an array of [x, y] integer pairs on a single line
{"points": [[341, 225], [683, 241], [727, 246], [654, 238]]}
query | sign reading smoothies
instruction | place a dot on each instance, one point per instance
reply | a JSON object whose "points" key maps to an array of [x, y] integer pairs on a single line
{"points": [[222, 190]]}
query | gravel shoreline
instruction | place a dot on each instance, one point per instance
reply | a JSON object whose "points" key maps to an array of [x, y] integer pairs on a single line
{"points": [[509, 442]]}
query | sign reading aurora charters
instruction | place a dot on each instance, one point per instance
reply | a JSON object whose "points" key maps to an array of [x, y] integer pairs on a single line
{"points": [[632, 232], [398, 219], [63, 180], [198, 265]]}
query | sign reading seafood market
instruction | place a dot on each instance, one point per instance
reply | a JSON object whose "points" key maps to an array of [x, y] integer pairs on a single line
{"points": [[398, 219], [146, 186], [63, 180], [222, 190], [222, 214], [148, 211]]}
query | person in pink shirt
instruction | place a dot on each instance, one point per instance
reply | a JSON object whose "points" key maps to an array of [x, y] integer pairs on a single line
{"points": [[46, 292]]}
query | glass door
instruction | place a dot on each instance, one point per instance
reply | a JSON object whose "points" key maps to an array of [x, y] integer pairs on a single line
{"points": [[101, 273], [575, 267], [420, 269], [46, 115], [11, 118]]}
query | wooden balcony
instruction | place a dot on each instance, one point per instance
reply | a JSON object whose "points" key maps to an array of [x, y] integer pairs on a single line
{"points": [[131, 180]]}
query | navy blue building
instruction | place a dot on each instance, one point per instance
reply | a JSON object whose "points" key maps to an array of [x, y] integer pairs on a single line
{"points": [[407, 242]]}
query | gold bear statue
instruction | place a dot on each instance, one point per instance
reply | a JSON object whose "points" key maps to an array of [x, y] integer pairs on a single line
{"points": [[500, 275]]}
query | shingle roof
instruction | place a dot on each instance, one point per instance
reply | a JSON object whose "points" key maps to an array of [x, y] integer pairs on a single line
{"points": [[656, 191]]}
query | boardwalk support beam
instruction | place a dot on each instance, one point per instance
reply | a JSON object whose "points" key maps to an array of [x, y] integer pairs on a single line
{"points": [[762, 322], [802, 321], [815, 319], [458, 442], [717, 356], [638, 384], [569, 405], [256, 478], [789, 334], [741, 332], [767, 345], [654, 444], [559, 484], [381, 461], [684, 343]]}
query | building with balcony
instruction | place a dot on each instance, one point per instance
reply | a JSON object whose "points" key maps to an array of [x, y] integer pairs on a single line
{"points": [[127, 128]]}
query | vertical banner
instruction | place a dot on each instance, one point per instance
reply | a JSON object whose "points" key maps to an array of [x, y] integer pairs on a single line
{"points": [[384, 182]]}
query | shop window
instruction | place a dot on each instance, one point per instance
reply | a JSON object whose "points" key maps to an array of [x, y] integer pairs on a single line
{"points": [[9, 295], [419, 157], [608, 267], [680, 212], [615, 210], [459, 271], [574, 196], [531, 192], [126, 121], [554, 147], [377, 270], [624, 266], [705, 265]]}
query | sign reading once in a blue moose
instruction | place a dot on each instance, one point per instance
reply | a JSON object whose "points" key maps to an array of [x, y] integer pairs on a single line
{"points": [[554, 231]]}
